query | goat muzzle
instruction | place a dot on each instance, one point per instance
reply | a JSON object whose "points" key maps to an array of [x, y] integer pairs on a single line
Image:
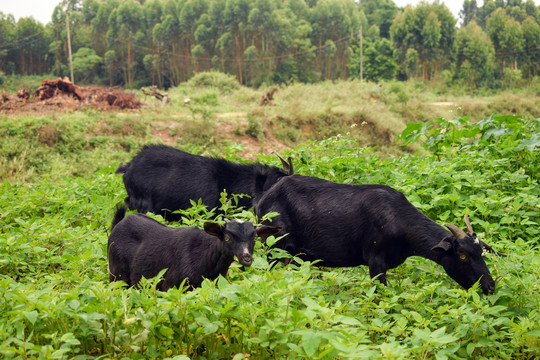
{"points": [[488, 285], [245, 259]]}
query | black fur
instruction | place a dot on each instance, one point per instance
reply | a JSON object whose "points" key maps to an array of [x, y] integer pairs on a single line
{"points": [[141, 246], [373, 225], [161, 179]]}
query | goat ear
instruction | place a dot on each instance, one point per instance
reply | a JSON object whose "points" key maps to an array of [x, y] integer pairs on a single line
{"points": [[213, 228], [266, 230], [444, 245], [488, 248]]}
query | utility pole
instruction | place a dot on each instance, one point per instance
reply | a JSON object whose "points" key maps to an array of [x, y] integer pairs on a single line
{"points": [[361, 55], [69, 48]]}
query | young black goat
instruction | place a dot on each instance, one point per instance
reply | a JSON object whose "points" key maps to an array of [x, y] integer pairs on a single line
{"points": [[141, 246], [162, 179], [374, 225]]}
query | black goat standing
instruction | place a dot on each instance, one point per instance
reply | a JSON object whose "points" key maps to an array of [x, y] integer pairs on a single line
{"points": [[374, 225], [141, 246], [162, 179]]}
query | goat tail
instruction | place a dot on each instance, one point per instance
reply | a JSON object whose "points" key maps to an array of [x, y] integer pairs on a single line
{"points": [[118, 215]]}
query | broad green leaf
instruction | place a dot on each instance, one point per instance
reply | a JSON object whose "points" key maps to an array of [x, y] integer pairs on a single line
{"points": [[31, 316]]}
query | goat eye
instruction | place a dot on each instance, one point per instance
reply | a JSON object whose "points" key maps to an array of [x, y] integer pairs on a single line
{"points": [[228, 239], [463, 257]]}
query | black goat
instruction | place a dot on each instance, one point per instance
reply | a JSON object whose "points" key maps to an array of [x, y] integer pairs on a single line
{"points": [[162, 179], [141, 246], [374, 225]]}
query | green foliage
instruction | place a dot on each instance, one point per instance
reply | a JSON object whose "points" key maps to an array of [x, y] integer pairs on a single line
{"points": [[57, 303], [379, 63], [86, 64], [429, 30], [254, 128], [475, 55], [219, 81]]}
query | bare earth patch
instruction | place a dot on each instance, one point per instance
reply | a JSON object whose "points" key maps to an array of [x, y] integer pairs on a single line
{"points": [[443, 103], [250, 145]]}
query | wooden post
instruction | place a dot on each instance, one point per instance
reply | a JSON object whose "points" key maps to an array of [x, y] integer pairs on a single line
{"points": [[69, 49], [361, 55]]}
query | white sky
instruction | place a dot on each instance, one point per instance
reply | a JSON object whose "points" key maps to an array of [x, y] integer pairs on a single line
{"points": [[454, 5], [41, 10]]}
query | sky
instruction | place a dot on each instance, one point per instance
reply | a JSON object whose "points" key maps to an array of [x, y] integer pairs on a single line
{"points": [[42, 10]]}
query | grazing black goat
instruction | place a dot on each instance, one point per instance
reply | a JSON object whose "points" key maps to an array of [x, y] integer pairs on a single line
{"points": [[141, 246], [162, 179], [374, 225]]}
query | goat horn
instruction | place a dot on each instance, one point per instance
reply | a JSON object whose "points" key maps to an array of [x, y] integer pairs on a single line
{"points": [[287, 166], [457, 232], [468, 223]]}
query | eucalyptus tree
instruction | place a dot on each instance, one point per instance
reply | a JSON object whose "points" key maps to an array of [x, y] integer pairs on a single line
{"points": [[429, 29], [379, 62], [475, 55], [7, 36], [165, 36], [188, 19], [380, 13], [125, 31], [530, 58], [99, 24], [506, 35], [236, 16], [468, 12], [111, 64], [86, 65], [30, 47], [334, 23]]}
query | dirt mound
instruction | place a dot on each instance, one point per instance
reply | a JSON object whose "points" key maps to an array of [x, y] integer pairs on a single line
{"points": [[61, 94]]}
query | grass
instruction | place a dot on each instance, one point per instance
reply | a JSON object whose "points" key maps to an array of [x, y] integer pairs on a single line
{"points": [[59, 192]]}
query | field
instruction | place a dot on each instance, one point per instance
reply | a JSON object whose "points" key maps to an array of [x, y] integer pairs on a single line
{"points": [[451, 156]]}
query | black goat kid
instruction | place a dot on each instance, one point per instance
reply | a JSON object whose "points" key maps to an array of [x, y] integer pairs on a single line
{"points": [[162, 179], [141, 246], [374, 225]]}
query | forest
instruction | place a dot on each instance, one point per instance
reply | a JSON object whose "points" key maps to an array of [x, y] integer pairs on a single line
{"points": [[135, 43]]}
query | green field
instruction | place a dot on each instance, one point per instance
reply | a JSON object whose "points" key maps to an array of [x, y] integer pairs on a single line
{"points": [[478, 157]]}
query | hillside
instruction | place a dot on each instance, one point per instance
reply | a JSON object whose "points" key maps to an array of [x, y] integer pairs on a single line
{"points": [[223, 117]]}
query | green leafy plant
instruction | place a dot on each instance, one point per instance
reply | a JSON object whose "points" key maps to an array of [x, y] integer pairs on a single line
{"points": [[56, 301]]}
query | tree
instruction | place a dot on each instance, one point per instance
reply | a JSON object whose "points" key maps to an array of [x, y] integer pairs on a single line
{"points": [[86, 65], [429, 29], [506, 35], [530, 59], [468, 12], [475, 55], [125, 23], [111, 62], [32, 46], [379, 62], [7, 36], [333, 21], [380, 13]]}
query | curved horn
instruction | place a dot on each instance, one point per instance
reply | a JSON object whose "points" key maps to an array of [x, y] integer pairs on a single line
{"points": [[468, 223], [457, 232], [287, 166]]}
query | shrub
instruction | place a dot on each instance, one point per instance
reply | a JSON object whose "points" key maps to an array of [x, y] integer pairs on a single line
{"points": [[224, 83]]}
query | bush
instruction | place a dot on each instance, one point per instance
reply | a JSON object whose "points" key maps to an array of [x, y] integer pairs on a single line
{"points": [[224, 83]]}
